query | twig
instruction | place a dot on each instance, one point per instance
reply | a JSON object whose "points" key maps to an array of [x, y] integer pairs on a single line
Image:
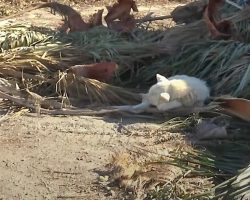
{"points": [[46, 185], [5, 116], [150, 19], [234, 4], [60, 172], [70, 197], [17, 74], [16, 100], [25, 103], [64, 111]]}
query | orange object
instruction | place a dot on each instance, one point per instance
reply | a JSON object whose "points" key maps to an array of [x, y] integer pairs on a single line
{"points": [[73, 20], [102, 71], [96, 19], [120, 10], [123, 26], [236, 106], [218, 30]]}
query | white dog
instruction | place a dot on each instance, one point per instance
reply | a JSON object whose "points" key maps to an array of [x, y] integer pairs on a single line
{"points": [[176, 91]]}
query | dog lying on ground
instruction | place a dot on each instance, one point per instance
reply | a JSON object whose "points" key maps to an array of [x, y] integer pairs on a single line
{"points": [[174, 92]]}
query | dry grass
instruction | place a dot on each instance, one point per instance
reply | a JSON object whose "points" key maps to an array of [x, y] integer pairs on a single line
{"points": [[151, 175], [34, 75]]}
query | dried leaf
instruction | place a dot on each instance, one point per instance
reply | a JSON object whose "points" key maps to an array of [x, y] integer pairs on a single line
{"points": [[120, 10], [124, 26], [103, 71], [73, 20], [218, 30], [188, 13], [96, 19], [236, 106]]}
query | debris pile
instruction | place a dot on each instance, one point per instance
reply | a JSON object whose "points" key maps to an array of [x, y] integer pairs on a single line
{"points": [[88, 68]]}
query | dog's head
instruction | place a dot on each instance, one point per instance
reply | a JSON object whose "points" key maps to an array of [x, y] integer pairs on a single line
{"points": [[158, 93]]}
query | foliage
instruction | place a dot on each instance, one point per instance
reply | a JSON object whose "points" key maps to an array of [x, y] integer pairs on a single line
{"points": [[35, 62]]}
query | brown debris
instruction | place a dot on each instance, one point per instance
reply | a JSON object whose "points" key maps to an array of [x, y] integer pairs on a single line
{"points": [[118, 17], [124, 26], [138, 173], [121, 11], [102, 71], [73, 20], [218, 30], [188, 13], [207, 129], [236, 106], [96, 18]]}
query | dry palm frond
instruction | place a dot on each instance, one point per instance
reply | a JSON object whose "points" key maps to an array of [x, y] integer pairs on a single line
{"points": [[154, 176], [98, 44], [35, 105], [216, 162], [236, 106], [237, 187], [218, 30], [99, 92], [194, 33], [224, 65], [103, 44], [219, 161], [36, 72], [41, 104], [9, 111], [133, 53], [20, 36], [188, 13]]}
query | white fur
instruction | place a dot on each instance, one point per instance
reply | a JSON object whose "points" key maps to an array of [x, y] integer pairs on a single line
{"points": [[177, 91]]}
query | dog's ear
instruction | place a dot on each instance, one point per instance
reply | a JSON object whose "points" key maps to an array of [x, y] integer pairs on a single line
{"points": [[165, 96], [161, 78]]}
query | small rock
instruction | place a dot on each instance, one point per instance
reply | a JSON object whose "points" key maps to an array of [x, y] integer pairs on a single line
{"points": [[209, 130], [103, 178]]}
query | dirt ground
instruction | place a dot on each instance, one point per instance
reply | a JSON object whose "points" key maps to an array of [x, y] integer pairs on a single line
{"points": [[60, 157], [44, 18]]}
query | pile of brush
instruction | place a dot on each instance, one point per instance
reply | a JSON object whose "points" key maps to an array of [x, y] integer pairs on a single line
{"points": [[45, 59], [74, 73]]}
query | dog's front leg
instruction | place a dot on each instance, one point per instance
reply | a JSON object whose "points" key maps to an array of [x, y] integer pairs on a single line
{"points": [[139, 108], [169, 105]]}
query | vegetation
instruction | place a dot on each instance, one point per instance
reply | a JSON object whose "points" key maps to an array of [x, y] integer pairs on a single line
{"points": [[33, 69]]}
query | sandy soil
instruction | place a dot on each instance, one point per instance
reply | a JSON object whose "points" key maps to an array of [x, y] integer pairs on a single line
{"points": [[60, 157], [44, 18]]}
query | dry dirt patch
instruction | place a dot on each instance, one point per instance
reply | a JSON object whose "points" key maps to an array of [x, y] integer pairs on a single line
{"points": [[43, 17], [57, 157]]}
